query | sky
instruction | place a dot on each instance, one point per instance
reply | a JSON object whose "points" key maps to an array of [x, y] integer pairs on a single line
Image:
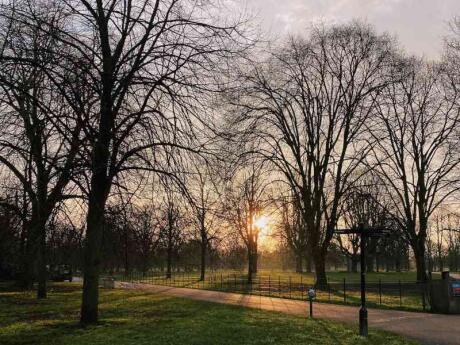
{"points": [[420, 25]]}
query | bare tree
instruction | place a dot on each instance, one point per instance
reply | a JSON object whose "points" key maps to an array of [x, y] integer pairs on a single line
{"points": [[306, 109], [294, 232], [415, 152], [203, 199], [172, 227], [365, 204], [41, 132], [146, 233], [246, 200]]}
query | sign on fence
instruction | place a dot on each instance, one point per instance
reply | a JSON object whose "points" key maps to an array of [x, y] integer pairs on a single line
{"points": [[455, 287]]}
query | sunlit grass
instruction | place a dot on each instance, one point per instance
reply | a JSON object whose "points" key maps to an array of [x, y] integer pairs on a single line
{"points": [[134, 317], [391, 290]]}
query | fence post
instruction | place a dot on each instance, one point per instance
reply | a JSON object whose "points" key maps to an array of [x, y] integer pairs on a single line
{"points": [[380, 291], [400, 293], [344, 291]]}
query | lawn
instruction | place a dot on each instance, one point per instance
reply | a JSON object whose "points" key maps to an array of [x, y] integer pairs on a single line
{"points": [[389, 290], [134, 317]]}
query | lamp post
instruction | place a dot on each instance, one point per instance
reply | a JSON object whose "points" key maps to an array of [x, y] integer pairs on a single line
{"points": [[363, 311], [364, 233]]}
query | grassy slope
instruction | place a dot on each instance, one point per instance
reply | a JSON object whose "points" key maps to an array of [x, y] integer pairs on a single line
{"points": [[133, 317]]}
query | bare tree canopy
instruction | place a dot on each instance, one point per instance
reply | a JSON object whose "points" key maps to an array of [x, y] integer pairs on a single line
{"points": [[415, 151], [307, 106]]}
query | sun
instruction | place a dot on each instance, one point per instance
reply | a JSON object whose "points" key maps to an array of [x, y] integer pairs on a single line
{"points": [[261, 222]]}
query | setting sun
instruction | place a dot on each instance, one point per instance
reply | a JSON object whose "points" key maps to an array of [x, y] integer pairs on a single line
{"points": [[261, 222]]}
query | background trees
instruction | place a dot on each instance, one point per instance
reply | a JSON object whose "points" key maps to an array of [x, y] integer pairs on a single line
{"points": [[204, 199], [41, 132], [294, 232], [246, 200]]}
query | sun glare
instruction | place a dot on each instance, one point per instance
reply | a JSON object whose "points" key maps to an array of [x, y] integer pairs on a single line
{"points": [[261, 222]]}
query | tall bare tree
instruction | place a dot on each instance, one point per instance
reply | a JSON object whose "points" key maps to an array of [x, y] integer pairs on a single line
{"points": [[204, 199], [245, 202], [415, 152], [41, 133], [306, 108]]}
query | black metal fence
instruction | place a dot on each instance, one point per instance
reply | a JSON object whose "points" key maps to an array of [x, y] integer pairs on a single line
{"points": [[384, 294]]}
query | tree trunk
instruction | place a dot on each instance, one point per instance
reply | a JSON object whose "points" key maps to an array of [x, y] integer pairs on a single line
{"points": [[250, 264], [354, 264], [320, 268], [169, 262], [203, 258], [370, 263], [28, 269], [255, 257], [126, 256], [419, 253], [41, 259], [309, 267], [299, 263], [91, 265]]}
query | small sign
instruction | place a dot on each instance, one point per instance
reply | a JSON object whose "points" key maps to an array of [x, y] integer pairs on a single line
{"points": [[455, 286]]}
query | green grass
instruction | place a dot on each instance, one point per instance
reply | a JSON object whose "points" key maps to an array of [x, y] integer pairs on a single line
{"points": [[293, 285], [134, 317]]}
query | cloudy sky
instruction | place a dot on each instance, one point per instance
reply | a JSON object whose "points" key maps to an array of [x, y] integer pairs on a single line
{"points": [[419, 24]]}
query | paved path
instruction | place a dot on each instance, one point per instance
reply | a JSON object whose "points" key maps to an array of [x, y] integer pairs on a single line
{"points": [[430, 329]]}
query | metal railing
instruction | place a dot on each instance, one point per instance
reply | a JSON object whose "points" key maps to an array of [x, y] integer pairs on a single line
{"points": [[381, 294]]}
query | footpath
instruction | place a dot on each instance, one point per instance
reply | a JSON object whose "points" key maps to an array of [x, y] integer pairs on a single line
{"points": [[429, 329]]}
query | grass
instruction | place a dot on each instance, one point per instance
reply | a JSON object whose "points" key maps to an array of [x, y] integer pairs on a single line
{"points": [[134, 317], [396, 291]]}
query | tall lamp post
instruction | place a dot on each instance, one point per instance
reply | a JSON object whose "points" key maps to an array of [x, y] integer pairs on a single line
{"points": [[364, 232]]}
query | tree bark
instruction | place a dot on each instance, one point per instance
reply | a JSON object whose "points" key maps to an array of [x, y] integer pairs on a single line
{"points": [[169, 262], [28, 270], [203, 258], [419, 253], [309, 263], [299, 263], [250, 266], [90, 298], [41, 260], [100, 188], [370, 263], [255, 257], [354, 264], [320, 268]]}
